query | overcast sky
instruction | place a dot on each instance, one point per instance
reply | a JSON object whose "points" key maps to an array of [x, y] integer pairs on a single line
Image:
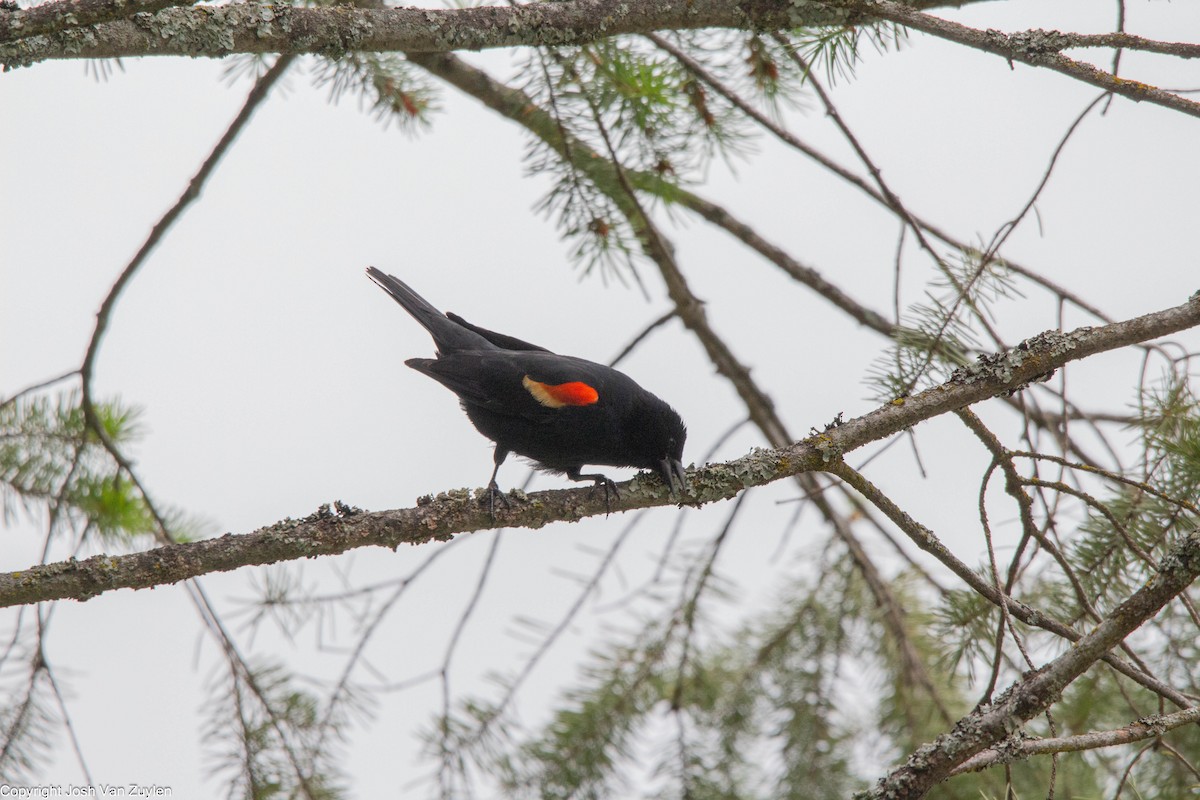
{"points": [[270, 369]]}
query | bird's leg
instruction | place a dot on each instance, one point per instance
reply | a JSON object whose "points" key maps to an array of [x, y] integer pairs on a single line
{"points": [[597, 480], [493, 487]]}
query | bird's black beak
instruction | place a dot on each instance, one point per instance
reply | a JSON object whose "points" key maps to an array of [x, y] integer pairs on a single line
{"points": [[672, 473]]}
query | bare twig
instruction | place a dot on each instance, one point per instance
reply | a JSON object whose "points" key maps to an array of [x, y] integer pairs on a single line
{"points": [[1042, 49], [37, 387], [927, 541], [448, 751], [627, 349], [253, 99]]}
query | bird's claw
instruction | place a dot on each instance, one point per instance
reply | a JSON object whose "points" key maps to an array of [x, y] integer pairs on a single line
{"points": [[674, 477], [494, 492], [609, 487]]}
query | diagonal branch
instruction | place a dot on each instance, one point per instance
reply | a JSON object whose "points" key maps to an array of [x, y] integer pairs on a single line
{"points": [[1039, 48], [927, 541], [761, 409], [718, 216], [254, 99], [440, 519], [933, 762]]}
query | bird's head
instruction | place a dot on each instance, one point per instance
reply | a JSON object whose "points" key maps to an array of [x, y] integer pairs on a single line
{"points": [[663, 435]]}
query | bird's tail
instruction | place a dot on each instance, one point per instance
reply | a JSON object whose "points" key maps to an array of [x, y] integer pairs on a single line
{"points": [[447, 334]]}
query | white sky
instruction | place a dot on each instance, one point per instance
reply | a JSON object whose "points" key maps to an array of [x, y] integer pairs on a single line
{"points": [[270, 370]]}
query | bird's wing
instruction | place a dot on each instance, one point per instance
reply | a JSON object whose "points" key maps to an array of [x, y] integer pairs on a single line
{"points": [[532, 384], [501, 340]]}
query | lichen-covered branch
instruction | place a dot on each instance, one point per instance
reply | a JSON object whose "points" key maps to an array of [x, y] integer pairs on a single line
{"points": [[62, 15], [253, 28], [218, 31], [1015, 749], [64, 29], [1037, 690], [442, 518], [1034, 359], [1117, 40]]}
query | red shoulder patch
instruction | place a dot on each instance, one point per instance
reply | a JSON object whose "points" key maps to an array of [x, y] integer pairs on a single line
{"points": [[575, 393]]}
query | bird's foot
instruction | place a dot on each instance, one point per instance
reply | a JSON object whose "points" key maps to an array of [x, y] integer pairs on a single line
{"points": [[610, 491], [494, 493], [598, 480]]}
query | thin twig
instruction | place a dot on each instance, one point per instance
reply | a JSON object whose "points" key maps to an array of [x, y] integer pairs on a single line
{"points": [[658, 323], [37, 387], [447, 747], [927, 541], [1145, 728], [1039, 48]]}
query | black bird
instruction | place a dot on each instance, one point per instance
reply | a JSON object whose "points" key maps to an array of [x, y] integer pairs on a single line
{"points": [[558, 411]]}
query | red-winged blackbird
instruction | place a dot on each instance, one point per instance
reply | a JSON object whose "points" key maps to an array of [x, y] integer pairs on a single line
{"points": [[558, 411]]}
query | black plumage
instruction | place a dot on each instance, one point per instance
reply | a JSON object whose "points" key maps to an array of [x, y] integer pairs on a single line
{"points": [[560, 412]]}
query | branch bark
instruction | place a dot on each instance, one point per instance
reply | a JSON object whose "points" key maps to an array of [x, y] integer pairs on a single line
{"points": [[1017, 749], [329, 532], [221, 30], [61, 15], [218, 31]]}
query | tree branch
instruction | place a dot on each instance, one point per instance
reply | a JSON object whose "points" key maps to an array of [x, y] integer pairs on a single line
{"points": [[329, 532], [934, 761], [518, 106], [1016, 749], [218, 31], [62, 15], [927, 541], [720, 217], [1039, 48]]}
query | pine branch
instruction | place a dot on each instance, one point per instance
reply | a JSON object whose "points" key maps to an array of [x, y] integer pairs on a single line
{"points": [[933, 762], [440, 519]]}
